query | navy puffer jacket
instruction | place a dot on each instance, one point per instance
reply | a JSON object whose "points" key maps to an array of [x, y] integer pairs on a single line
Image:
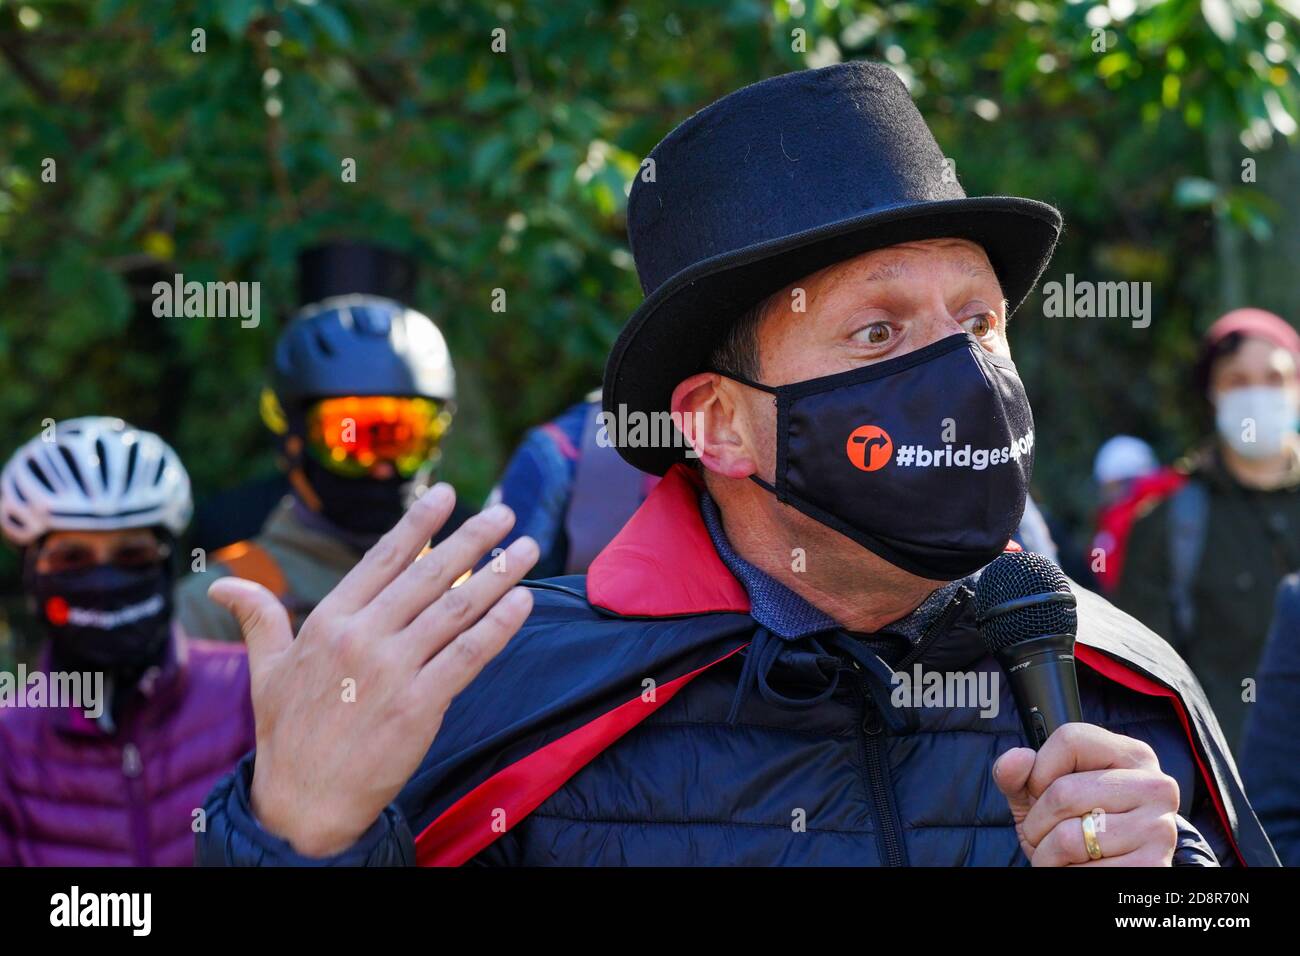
{"points": [[635, 725]]}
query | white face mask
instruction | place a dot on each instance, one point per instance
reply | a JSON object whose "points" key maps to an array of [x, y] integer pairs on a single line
{"points": [[1256, 421]]}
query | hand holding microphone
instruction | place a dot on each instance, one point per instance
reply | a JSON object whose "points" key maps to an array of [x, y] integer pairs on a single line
{"points": [[1088, 796]]}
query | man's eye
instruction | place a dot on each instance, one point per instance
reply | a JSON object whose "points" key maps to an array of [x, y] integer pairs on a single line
{"points": [[878, 334], [980, 325]]}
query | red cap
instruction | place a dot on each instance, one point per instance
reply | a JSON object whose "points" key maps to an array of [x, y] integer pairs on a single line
{"points": [[1256, 323]]}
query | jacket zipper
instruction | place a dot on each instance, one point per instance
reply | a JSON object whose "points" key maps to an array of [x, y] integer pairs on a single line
{"points": [[132, 771], [889, 829], [937, 629], [874, 762]]}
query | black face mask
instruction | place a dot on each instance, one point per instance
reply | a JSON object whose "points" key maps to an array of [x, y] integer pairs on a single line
{"points": [[363, 506], [924, 459], [106, 618]]}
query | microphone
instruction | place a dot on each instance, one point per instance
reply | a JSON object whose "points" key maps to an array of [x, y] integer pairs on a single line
{"points": [[1025, 612]]}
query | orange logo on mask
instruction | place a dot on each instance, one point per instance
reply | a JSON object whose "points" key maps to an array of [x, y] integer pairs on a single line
{"points": [[869, 447]]}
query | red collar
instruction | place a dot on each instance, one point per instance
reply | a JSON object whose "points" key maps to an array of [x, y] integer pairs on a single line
{"points": [[663, 563]]}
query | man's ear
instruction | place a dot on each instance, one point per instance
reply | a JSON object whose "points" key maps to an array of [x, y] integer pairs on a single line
{"points": [[707, 407]]}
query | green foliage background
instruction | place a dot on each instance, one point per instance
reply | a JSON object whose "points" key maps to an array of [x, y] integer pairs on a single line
{"points": [[510, 170]]}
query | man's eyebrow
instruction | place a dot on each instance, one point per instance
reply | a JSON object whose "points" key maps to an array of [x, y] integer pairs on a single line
{"points": [[899, 268], [887, 271]]}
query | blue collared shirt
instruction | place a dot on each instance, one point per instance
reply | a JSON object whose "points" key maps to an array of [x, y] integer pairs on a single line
{"points": [[786, 614]]}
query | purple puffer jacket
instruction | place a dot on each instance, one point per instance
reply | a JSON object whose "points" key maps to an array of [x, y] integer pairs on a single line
{"points": [[73, 795]]}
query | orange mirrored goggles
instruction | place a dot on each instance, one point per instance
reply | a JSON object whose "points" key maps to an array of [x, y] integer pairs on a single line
{"points": [[351, 435]]}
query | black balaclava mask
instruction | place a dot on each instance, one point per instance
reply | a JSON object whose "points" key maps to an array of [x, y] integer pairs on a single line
{"points": [[362, 506], [105, 618]]}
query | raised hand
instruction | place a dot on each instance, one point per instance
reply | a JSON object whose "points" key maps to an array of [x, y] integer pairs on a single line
{"points": [[346, 711]]}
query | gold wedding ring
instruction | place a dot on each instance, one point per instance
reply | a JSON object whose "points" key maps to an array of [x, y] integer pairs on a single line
{"points": [[1090, 840]]}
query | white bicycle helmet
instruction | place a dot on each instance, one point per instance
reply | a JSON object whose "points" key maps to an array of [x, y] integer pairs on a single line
{"points": [[96, 474]]}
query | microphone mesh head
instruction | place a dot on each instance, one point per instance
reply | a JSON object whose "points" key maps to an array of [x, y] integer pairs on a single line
{"points": [[1022, 574]]}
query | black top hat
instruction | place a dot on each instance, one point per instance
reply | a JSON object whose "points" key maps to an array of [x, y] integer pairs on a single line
{"points": [[354, 267], [772, 183]]}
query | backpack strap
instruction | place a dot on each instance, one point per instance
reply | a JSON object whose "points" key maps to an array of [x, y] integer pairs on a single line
{"points": [[1189, 511]]}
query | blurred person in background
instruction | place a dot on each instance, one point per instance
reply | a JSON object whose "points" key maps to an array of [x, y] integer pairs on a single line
{"points": [[1270, 750], [1121, 461], [362, 392], [1202, 566], [95, 509], [1129, 481], [570, 490]]}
